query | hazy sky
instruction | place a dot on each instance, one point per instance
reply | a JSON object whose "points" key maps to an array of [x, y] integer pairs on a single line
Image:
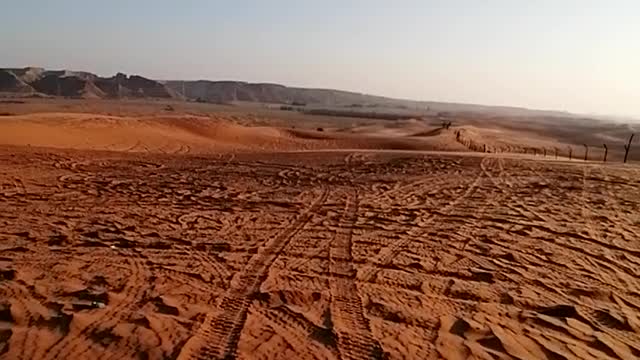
{"points": [[577, 55]]}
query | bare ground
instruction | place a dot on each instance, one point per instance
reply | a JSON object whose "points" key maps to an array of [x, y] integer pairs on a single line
{"points": [[111, 255]]}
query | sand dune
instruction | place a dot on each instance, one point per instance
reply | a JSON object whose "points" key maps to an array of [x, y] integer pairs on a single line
{"points": [[137, 134], [193, 134]]}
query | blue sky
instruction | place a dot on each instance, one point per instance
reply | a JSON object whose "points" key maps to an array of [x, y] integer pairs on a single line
{"points": [[576, 55]]}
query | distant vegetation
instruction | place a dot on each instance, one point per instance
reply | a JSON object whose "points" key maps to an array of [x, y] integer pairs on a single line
{"points": [[362, 114]]}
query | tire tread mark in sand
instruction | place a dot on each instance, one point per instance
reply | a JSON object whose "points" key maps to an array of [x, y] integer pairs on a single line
{"points": [[17, 294], [586, 212], [355, 340], [217, 270], [302, 334], [20, 187], [133, 147], [399, 188], [612, 202], [184, 149], [218, 336], [594, 236], [15, 188], [73, 346], [183, 277], [387, 253], [501, 180]]}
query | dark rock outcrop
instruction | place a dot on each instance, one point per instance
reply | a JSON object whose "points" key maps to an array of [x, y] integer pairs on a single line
{"points": [[9, 82], [79, 84]]}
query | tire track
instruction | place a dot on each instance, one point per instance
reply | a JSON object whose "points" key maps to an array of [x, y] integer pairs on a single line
{"points": [[500, 181], [297, 330], [613, 204], [562, 245], [76, 345], [21, 188], [298, 260], [584, 208], [215, 272], [355, 340], [185, 278], [387, 254], [17, 296], [134, 147], [14, 188], [218, 336], [399, 188], [184, 149], [480, 209]]}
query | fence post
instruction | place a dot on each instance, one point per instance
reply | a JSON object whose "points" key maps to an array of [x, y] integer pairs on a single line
{"points": [[606, 151], [627, 148], [586, 152]]}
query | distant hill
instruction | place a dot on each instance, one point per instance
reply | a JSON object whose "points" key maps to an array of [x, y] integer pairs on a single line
{"points": [[10, 82], [79, 84], [238, 91], [231, 91]]}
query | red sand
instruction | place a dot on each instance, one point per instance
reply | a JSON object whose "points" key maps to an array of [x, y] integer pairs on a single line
{"points": [[184, 242]]}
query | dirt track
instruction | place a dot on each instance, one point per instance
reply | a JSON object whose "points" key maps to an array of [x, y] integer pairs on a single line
{"points": [[327, 255]]}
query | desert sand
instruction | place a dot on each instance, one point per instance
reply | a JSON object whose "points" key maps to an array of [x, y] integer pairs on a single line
{"points": [[138, 236]]}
